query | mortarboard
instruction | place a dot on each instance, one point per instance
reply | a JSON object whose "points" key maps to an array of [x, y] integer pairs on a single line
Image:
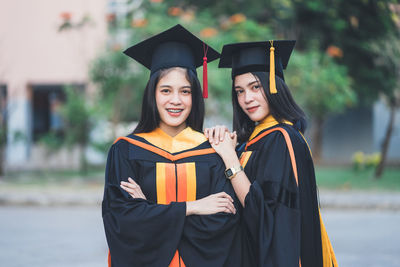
{"points": [[175, 47], [258, 56]]}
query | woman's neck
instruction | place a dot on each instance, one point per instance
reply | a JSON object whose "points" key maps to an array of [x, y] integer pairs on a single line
{"points": [[172, 130]]}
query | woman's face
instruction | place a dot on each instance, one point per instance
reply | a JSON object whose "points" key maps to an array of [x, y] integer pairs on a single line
{"points": [[251, 96], [174, 100]]}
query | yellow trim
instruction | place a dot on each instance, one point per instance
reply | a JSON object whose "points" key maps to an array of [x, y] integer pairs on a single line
{"points": [[191, 181], [328, 255], [160, 183], [306, 143], [266, 123], [244, 158], [187, 139]]}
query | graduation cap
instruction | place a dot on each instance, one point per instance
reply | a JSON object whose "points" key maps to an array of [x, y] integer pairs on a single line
{"points": [[175, 47], [267, 56]]}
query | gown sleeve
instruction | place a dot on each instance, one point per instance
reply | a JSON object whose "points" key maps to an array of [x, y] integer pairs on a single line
{"points": [[138, 232], [213, 240], [271, 213]]}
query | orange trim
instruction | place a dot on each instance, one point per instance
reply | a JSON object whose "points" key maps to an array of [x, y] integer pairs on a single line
{"points": [[109, 259], [175, 260], [170, 182], [164, 153], [182, 264], [182, 182], [288, 143]]}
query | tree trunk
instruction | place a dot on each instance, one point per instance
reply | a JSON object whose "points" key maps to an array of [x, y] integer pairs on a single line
{"points": [[83, 160], [385, 145], [317, 139]]}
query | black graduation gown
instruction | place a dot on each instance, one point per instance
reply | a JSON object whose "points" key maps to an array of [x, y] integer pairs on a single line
{"points": [[156, 231], [281, 218]]}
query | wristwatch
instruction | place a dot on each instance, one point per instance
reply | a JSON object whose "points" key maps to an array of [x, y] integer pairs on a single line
{"points": [[231, 172]]}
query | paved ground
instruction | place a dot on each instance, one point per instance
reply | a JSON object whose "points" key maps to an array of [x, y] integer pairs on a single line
{"points": [[46, 236]]}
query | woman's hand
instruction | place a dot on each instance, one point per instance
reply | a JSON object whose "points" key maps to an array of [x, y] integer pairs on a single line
{"points": [[226, 147], [132, 188], [216, 134], [220, 202]]}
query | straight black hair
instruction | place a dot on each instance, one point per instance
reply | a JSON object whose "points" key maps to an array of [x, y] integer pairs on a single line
{"points": [[150, 117], [281, 106]]}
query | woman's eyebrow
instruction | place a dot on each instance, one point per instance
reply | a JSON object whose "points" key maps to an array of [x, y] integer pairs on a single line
{"points": [[250, 83]]}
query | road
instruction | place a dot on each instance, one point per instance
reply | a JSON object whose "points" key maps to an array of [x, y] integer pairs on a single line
{"points": [[74, 236]]}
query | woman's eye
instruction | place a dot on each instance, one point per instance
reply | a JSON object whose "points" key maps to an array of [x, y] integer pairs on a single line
{"points": [[186, 91], [256, 87], [165, 91], [238, 92]]}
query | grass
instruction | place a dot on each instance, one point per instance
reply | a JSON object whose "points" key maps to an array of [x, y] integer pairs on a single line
{"points": [[345, 178]]}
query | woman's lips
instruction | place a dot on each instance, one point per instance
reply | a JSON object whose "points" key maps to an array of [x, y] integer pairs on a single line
{"points": [[252, 109], [174, 112]]}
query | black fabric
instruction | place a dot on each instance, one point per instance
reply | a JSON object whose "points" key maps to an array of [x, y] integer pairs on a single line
{"points": [[280, 219], [175, 47], [143, 233]]}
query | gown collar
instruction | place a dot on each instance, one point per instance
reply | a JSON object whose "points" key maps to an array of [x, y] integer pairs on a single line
{"points": [[186, 139], [266, 123]]}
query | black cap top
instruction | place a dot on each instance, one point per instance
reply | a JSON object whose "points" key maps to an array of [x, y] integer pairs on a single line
{"points": [[175, 47], [255, 56]]}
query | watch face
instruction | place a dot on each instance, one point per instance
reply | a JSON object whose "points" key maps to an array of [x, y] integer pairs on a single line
{"points": [[229, 172]]}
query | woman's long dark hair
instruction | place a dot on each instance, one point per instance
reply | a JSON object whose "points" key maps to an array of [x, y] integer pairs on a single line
{"points": [[150, 117], [281, 106]]}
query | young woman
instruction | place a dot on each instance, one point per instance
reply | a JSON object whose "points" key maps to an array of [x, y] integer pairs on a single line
{"points": [[277, 188], [166, 200]]}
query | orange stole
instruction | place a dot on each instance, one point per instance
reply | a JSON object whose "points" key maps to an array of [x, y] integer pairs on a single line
{"points": [[175, 182]]}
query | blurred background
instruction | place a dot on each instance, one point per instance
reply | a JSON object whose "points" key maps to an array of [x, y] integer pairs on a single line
{"points": [[67, 91]]}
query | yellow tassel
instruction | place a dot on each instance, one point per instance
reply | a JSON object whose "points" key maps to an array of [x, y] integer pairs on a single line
{"points": [[272, 84]]}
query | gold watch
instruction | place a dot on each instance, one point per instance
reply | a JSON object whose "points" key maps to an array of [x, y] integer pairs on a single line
{"points": [[231, 172]]}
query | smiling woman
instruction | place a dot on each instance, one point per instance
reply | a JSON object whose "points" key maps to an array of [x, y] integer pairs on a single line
{"points": [[165, 172]]}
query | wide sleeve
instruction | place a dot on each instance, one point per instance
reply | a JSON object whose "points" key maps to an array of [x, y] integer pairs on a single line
{"points": [[138, 232], [271, 213], [213, 240]]}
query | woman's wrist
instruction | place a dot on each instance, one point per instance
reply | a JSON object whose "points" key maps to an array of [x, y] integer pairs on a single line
{"points": [[190, 208], [231, 161]]}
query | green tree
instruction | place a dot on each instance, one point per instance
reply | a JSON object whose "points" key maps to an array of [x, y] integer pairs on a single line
{"points": [[322, 87], [76, 115], [388, 55], [351, 25], [121, 80]]}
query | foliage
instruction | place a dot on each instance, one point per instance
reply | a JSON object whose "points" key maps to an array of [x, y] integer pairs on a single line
{"points": [[351, 25], [76, 114], [320, 85], [121, 80], [363, 161]]}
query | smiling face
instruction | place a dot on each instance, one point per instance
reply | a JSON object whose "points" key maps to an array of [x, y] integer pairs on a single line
{"points": [[251, 96], [174, 100]]}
